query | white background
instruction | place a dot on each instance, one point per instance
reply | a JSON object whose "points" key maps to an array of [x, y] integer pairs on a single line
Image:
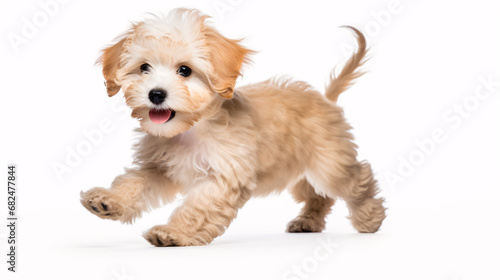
{"points": [[427, 57]]}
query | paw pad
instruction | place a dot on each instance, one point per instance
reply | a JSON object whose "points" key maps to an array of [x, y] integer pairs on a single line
{"points": [[100, 202]]}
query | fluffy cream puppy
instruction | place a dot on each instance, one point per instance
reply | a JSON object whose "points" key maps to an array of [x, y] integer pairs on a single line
{"points": [[218, 145]]}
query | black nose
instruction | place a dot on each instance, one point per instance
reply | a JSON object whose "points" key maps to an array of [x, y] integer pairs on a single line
{"points": [[157, 96]]}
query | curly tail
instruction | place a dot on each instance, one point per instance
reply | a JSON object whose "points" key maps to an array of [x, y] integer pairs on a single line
{"points": [[350, 72]]}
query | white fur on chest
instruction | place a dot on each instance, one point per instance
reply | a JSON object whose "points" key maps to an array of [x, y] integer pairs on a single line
{"points": [[188, 155], [191, 152], [191, 156]]}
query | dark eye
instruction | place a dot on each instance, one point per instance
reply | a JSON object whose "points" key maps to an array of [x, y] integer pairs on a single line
{"points": [[184, 71], [145, 67]]}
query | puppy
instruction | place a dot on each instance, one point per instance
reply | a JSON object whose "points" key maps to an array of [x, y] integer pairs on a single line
{"points": [[220, 146]]}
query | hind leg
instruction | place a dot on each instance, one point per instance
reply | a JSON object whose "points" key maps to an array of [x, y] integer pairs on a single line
{"points": [[316, 207], [352, 181], [366, 211]]}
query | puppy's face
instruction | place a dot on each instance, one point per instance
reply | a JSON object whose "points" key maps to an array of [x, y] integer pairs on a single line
{"points": [[172, 70]]}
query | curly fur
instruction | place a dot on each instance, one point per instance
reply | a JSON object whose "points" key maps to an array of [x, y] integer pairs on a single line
{"points": [[225, 146]]}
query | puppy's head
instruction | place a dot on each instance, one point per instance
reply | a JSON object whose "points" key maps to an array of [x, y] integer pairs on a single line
{"points": [[172, 70]]}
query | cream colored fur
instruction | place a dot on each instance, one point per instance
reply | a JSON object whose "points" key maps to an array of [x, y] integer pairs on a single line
{"points": [[224, 145]]}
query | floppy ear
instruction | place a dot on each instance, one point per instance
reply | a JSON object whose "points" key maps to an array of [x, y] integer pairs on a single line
{"points": [[110, 60], [226, 56]]}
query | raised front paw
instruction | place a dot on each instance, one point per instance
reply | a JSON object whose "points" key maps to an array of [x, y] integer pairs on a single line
{"points": [[163, 236], [103, 203]]}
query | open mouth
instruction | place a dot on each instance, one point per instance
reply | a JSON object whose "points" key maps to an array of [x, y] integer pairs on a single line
{"points": [[160, 116]]}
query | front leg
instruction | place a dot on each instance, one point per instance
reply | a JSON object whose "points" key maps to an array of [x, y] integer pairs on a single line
{"points": [[206, 213], [130, 194]]}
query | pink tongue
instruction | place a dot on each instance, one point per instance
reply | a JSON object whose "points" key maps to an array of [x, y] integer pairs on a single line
{"points": [[159, 116]]}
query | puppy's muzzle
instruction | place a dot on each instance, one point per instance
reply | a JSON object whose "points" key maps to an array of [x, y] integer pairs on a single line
{"points": [[157, 96]]}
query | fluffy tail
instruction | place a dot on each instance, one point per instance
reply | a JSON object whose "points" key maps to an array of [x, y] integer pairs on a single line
{"points": [[350, 72]]}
